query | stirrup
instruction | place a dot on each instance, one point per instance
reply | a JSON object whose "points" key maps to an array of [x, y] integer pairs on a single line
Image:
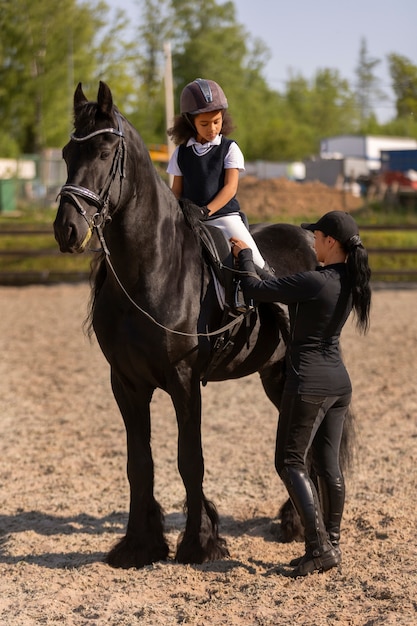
{"points": [[239, 303]]}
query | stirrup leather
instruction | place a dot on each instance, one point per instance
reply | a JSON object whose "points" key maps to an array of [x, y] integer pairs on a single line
{"points": [[239, 303]]}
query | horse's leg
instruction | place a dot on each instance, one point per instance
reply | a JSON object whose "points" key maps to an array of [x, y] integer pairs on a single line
{"points": [[144, 541], [200, 541]]}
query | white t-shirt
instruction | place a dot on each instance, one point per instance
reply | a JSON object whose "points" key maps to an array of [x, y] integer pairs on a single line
{"points": [[233, 159]]}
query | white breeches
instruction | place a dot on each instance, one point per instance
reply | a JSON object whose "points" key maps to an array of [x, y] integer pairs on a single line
{"points": [[233, 226]]}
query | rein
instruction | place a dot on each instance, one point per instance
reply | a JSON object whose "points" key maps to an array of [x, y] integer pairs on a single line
{"points": [[214, 333], [101, 202]]}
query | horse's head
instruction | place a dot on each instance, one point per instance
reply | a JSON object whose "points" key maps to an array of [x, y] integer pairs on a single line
{"points": [[95, 158]]}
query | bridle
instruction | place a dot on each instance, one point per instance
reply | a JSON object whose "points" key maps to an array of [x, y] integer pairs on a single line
{"points": [[99, 200]]}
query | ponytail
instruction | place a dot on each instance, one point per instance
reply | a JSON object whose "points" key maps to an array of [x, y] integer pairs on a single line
{"points": [[360, 275]]}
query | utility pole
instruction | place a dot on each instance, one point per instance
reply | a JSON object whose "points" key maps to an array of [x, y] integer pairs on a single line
{"points": [[169, 98]]}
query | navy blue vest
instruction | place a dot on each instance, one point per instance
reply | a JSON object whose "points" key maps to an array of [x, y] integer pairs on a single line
{"points": [[203, 176]]}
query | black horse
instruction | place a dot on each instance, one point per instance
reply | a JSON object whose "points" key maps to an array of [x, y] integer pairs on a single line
{"points": [[155, 314]]}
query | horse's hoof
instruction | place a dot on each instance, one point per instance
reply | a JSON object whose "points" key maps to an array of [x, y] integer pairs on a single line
{"points": [[127, 554], [192, 552]]}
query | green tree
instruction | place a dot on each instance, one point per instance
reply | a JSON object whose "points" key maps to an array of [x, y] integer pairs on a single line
{"points": [[404, 83], [208, 42], [154, 31], [333, 106], [43, 53], [315, 109], [367, 83]]}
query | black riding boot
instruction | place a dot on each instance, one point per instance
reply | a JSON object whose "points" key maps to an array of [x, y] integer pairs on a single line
{"points": [[320, 555], [332, 498]]}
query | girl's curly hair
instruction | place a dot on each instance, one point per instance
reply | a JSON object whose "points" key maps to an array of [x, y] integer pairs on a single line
{"points": [[183, 130]]}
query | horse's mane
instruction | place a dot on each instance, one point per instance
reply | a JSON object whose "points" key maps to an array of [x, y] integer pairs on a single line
{"points": [[98, 267], [192, 216]]}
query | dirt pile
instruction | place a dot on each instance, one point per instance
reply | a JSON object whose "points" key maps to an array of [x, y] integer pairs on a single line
{"points": [[271, 198]]}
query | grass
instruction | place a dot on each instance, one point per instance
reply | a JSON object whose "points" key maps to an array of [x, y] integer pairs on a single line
{"points": [[41, 252], [377, 215]]}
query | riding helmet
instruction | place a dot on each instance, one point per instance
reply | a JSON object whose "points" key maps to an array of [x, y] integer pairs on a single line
{"points": [[202, 96]]}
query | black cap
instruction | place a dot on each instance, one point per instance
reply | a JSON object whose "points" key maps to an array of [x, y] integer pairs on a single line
{"points": [[337, 224]]}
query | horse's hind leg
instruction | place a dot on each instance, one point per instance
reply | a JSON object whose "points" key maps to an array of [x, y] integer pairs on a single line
{"points": [[200, 541], [144, 541]]}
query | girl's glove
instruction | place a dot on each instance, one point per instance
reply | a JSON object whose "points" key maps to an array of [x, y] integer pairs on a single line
{"points": [[204, 213]]}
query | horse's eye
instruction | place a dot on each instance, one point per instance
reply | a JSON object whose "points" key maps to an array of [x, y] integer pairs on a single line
{"points": [[105, 155]]}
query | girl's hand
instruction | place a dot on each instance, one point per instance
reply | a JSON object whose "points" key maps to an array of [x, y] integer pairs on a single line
{"points": [[237, 245]]}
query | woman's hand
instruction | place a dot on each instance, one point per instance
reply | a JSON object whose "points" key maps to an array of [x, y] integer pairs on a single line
{"points": [[237, 245]]}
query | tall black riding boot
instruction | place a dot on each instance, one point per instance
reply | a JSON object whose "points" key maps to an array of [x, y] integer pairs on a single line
{"points": [[332, 498], [320, 555]]}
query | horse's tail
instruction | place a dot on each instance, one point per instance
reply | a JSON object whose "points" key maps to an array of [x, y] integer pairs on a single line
{"points": [[348, 443], [97, 276]]}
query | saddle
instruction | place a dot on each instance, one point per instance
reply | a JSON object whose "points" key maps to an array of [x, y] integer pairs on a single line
{"points": [[220, 259], [218, 256]]}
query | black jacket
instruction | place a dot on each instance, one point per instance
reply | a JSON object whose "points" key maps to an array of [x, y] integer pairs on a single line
{"points": [[319, 303]]}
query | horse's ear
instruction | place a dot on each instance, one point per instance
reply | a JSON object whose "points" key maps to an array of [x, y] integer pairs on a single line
{"points": [[79, 97], [105, 98]]}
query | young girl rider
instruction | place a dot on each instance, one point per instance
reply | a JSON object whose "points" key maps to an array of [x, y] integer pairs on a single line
{"points": [[317, 390], [205, 165]]}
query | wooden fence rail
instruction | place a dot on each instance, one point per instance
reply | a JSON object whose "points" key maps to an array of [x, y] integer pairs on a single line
{"points": [[26, 277], [398, 274], [41, 276]]}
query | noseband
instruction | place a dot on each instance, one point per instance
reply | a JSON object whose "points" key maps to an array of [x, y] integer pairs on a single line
{"points": [[99, 200]]}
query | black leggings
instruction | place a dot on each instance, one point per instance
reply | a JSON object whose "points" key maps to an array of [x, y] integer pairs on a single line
{"points": [[311, 421], [314, 422]]}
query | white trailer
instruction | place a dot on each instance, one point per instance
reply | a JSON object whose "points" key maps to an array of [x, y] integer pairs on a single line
{"points": [[363, 147]]}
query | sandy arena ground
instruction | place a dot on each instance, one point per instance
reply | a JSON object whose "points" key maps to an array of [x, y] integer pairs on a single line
{"points": [[64, 492]]}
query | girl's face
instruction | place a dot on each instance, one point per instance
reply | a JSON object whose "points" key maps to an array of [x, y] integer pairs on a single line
{"points": [[208, 125]]}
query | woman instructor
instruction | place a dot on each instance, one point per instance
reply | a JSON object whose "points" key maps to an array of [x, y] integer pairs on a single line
{"points": [[317, 390]]}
